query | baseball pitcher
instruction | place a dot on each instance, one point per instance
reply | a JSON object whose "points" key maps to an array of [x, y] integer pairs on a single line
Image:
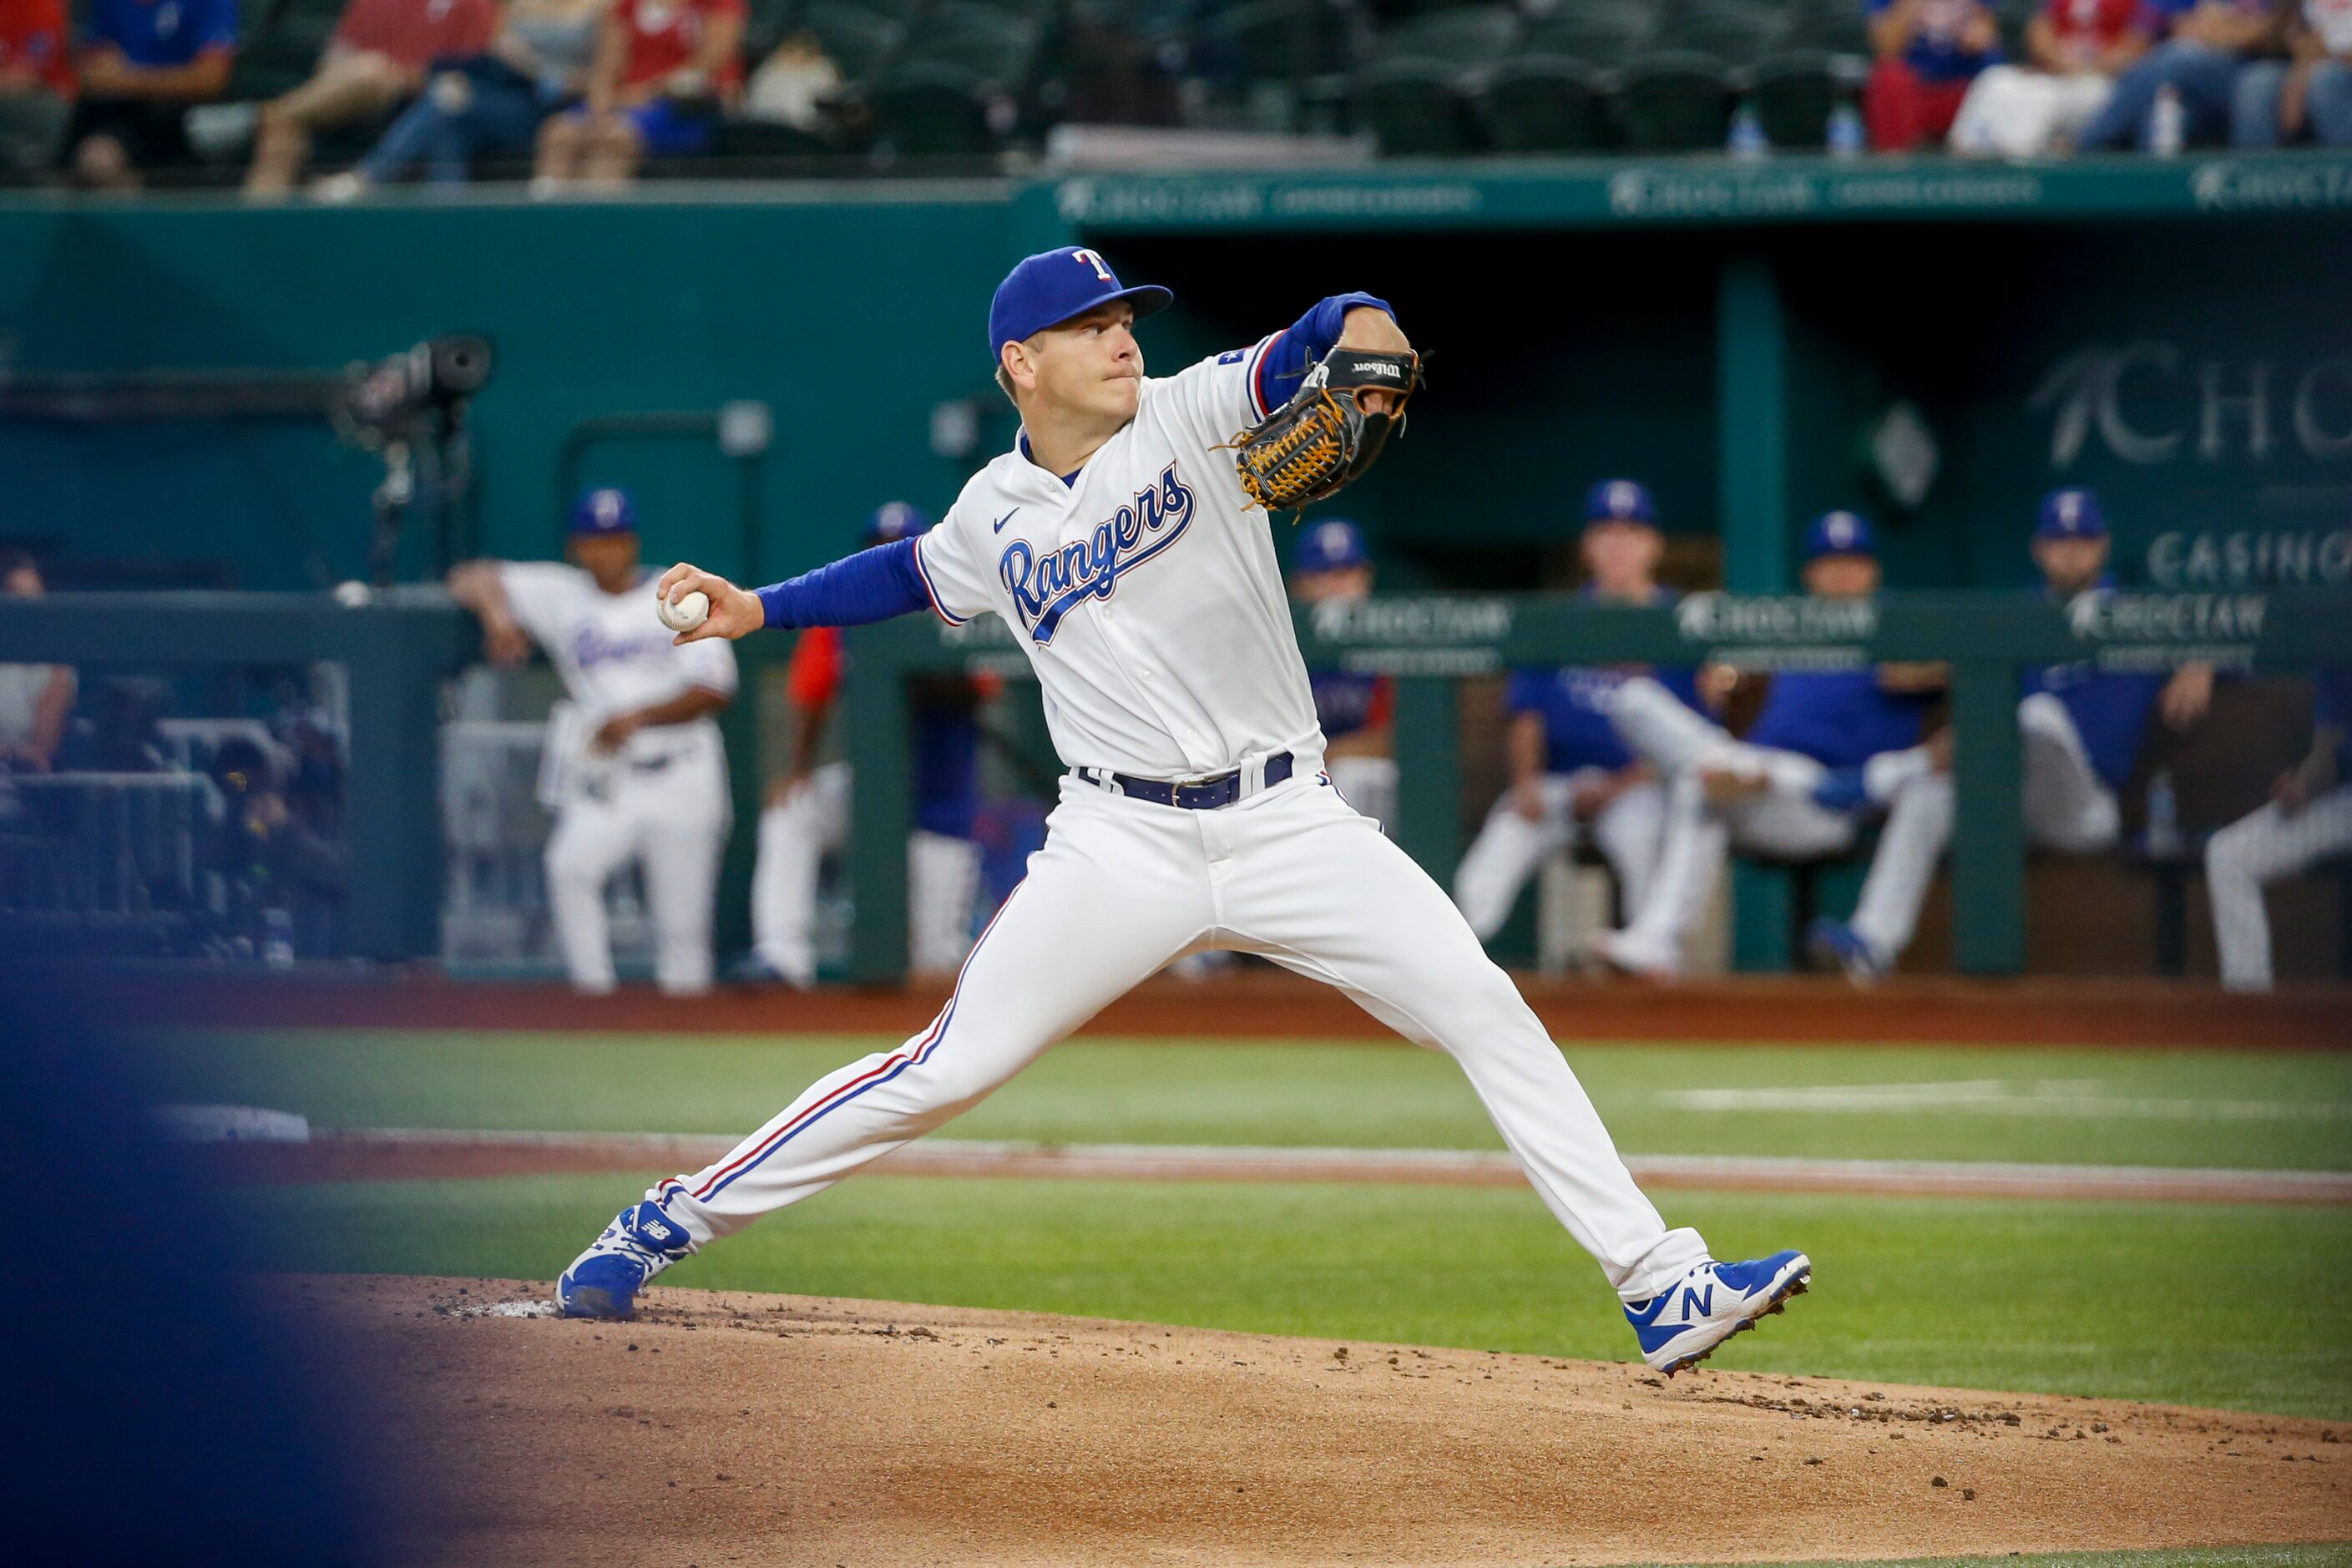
{"points": [[1124, 542]]}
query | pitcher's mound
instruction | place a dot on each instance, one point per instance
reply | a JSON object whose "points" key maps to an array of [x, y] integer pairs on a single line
{"points": [[786, 1430]]}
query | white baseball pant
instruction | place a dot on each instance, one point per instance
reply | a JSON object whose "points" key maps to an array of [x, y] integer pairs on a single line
{"points": [[1509, 848], [2259, 849], [796, 833], [1122, 887], [2067, 808], [1782, 821], [673, 822]]}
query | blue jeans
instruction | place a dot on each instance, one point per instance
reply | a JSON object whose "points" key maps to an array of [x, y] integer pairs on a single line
{"points": [[2203, 77], [2326, 104], [502, 112]]}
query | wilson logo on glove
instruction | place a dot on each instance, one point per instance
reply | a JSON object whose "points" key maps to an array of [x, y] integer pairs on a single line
{"points": [[1324, 439]]}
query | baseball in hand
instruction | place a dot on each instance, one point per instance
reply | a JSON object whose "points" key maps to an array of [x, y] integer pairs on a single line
{"points": [[691, 609]]}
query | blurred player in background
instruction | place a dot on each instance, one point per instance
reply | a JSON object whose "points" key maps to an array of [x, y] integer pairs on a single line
{"points": [[1571, 771], [1357, 713], [35, 699], [2081, 729], [1775, 793], [634, 766], [2308, 820], [807, 815]]}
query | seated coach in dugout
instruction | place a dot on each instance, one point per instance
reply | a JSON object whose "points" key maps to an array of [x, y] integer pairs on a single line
{"points": [[1572, 778], [1829, 745], [2081, 729]]}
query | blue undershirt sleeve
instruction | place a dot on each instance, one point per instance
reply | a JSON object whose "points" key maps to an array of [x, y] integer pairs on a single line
{"points": [[871, 585], [1304, 341]]}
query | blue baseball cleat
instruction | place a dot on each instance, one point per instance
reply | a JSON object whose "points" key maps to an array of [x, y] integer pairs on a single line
{"points": [[604, 1281], [1835, 943], [1714, 1302], [1840, 789]]}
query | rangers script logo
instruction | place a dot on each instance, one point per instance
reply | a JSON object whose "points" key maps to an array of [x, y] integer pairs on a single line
{"points": [[1046, 587]]}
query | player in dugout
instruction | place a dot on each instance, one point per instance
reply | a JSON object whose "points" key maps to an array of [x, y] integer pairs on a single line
{"points": [[2081, 729], [1357, 713], [807, 816], [634, 766], [1571, 774], [1781, 791]]}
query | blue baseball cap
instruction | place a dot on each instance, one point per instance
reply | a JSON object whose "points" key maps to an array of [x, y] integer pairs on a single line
{"points": [[1621, 501], [1331, 545], [893, 521], [1054, 285], [1839, 534], [604, 509], [2070, 514]]}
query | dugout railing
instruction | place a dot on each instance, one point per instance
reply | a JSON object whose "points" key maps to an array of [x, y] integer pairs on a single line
{"points": [[1430, 642]]}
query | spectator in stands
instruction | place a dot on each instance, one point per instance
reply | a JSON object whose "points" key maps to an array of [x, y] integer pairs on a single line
{"points": [[2308, 820], [2074, 50], [375, 61], [794, 85], [1771, 793], [1929, 51], [2307, 94], [37, 84], [2081, 729], [488, 103], [143, 63], [1357, 713], [1571, 775], [35, 698], [2211, 41], [662, 71]]}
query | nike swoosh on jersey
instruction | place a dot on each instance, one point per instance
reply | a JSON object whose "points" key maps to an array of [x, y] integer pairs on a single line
{"points": [[1003, 520]]}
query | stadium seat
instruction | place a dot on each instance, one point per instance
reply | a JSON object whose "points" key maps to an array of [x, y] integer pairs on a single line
{"points": [[932, 109], [1793, 95], [858, 40], [765, 26], [908, 13], [1834, 26], [1674, 101], [1466, 38], [996, 48], [1598, 34], [1546, 104], [1416, 108], [1736, 32], [1271, 39]]}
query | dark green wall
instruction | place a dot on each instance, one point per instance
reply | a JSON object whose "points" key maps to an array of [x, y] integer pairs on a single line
{"points": [[1557, 358]]}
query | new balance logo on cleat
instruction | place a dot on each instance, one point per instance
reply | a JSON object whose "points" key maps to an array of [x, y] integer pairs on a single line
{"points": [[604, 1281], [1682, 1325]]}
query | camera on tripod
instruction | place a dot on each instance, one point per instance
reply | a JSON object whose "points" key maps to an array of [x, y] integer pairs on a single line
{"points": [[410, 409], [404, 395]]}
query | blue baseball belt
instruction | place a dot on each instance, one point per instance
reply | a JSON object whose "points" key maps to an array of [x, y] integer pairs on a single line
{"points": [[1190, 794]]}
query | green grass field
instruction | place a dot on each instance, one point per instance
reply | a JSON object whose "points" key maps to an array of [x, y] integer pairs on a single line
{"points": [[2239, 1306], [2283, 1110]]}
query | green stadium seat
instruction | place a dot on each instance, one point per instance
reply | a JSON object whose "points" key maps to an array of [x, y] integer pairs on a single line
{"points": [[932, 109], [1599, 36], [1793, 95], [1274, 39], [1733, 31], [765, 26], [908, 14], [1547, 104], [1467, 37], [1834, 26], [858, 40], [1416, 108], [1674, 101]]}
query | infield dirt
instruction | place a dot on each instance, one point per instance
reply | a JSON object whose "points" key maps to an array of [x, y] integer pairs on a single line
{"points": [[727, 1428]]}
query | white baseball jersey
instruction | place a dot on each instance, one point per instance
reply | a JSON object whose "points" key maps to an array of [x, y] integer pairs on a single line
{"points": [[1147, 593], [614, 654]]}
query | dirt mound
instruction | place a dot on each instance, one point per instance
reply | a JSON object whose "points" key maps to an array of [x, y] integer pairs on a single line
{"points": [[784, 1430]]}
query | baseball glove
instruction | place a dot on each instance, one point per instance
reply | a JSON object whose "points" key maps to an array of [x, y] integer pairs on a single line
{"points": [[1323, 439]]}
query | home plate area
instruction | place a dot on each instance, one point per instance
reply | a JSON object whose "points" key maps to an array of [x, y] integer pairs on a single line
{"points": [[732, 1428]]}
